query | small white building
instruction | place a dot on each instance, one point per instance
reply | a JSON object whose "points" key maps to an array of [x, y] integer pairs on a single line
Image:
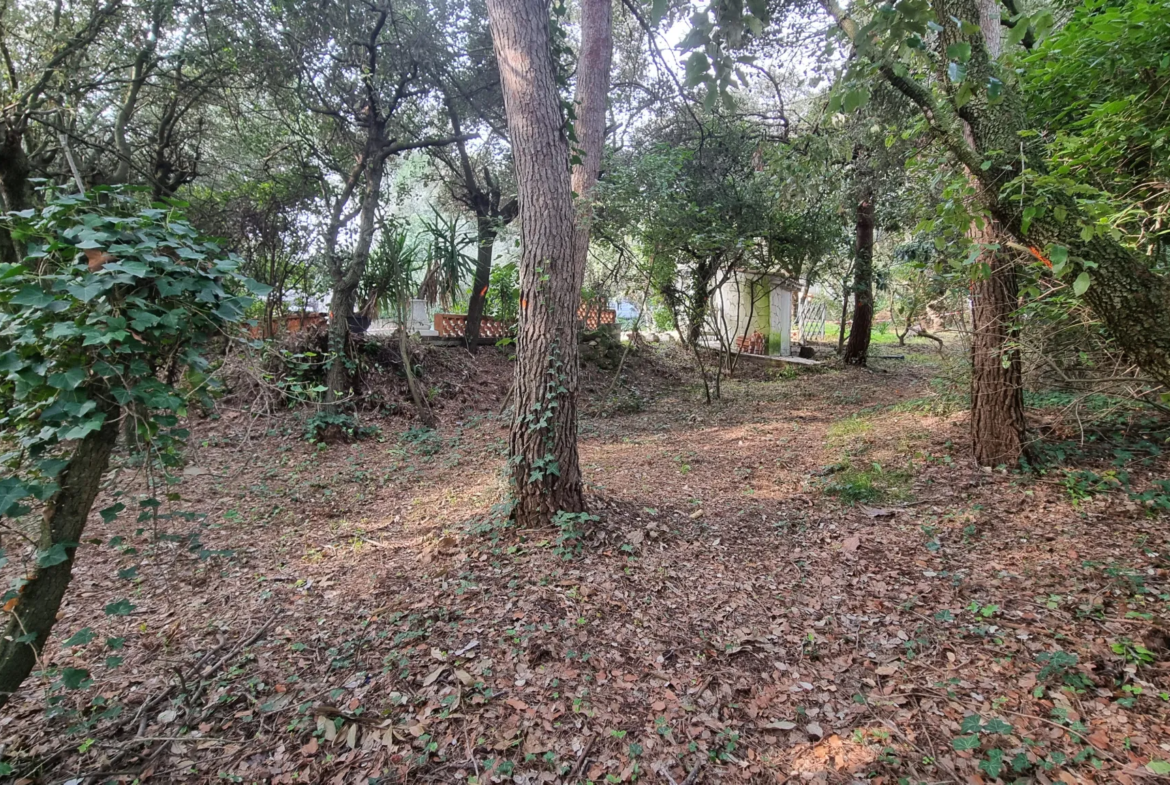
{"points": [[750, 305]]}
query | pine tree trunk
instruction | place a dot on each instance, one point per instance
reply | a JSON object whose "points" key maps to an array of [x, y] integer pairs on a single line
{"points": [[63, 522], [593, 67], [486, 239], [857, 350], [997, 398], [546, 475]]}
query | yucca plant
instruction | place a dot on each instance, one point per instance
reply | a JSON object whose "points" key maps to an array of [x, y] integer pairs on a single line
{"points": [[394, 264], [447, 262]]}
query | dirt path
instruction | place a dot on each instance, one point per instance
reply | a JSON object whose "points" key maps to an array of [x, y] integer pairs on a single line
{"points": [[807, 580]]}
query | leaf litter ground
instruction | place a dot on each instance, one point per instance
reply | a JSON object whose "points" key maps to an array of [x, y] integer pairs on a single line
{"points": [[807, 581]]}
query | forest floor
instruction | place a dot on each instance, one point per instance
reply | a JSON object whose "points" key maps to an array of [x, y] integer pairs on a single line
{"points": [[808, 580]]}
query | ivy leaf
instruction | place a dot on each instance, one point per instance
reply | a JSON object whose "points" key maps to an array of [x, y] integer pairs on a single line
{"points": [[12, 491], [111, 512], [970, 724], [1158, 767], [80, 638], [75, 678], [961, 743], [86, 291], [55, 555], [996, 725], [68, 380], [1081, 284], [32, 297], [956, 71], [82, 429], [960, 51], [119, 608], [994, 89], [993, 764]]}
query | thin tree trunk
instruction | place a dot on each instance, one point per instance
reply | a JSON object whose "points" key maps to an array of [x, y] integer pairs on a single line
{"points": [[593, 66], [546, 474], [63, 523], [857, 350], [844, 316], [486, 240]]}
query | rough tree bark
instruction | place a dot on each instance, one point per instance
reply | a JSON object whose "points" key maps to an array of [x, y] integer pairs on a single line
{"points": [[64, 519], [546, 475], [997, 387], [857, 350], [997, 397], [593, 65]]}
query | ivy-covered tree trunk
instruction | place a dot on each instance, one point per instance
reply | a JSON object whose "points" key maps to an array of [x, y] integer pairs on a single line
{"points": [[857, 349], [546, 475], [485, 231], [31, 620]]}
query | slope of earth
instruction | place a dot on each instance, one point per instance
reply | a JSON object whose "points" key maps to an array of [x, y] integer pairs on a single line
{"points": [[806, 581]]}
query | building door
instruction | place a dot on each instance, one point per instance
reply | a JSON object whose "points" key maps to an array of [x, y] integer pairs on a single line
{"points": [[780, 337]]}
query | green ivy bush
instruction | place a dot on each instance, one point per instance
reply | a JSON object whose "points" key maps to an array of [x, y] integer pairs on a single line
{"points": [[107, 317]]}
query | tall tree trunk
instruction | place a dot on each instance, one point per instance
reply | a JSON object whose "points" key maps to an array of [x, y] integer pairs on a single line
{"points": [[546, 475], [485, 246], [997, 391], [857, 350], [63, 523], [997, 397], [593, 67]]}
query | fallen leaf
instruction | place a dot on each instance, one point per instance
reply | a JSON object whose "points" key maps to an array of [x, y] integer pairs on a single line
{"points": [[777, 725]]}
